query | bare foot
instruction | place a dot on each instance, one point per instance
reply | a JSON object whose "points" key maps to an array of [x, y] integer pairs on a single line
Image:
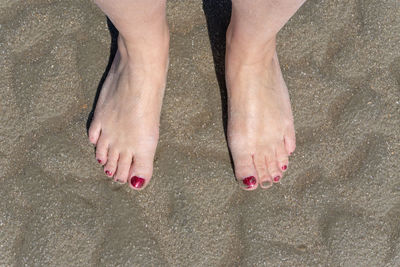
{"points": [[126, 120], [260, 127]]}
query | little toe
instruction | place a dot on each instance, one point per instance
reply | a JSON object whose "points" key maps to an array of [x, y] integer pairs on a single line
{"points": [[245, 171], [94, 132], [124, 164], [290, 141], [111, 166], [141, 171], [101, 150]]}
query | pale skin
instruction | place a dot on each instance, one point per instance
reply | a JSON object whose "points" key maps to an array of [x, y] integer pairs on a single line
{"points": [[260, 122]]}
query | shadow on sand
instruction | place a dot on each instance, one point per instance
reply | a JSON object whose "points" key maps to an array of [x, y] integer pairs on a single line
{"points": [[218, 14], [113, 50]]}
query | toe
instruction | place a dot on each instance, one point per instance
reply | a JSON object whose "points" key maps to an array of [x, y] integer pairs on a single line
{"points": [[124, 164], [273, 169], [262, 171], [245, 171], [101, 150], [111, 166], [282, 157], [94, 132], [141, 170], [290, 141]]}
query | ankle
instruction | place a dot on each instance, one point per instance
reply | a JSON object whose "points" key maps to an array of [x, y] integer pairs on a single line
{"points": [[147, 48], [246, 50]]}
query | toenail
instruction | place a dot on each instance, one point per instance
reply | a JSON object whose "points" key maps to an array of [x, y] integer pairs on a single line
{"points": [[276, 179], [284, 167], [99, 161], [137, 182], [266, 184], [108, 173], [249, 182]]}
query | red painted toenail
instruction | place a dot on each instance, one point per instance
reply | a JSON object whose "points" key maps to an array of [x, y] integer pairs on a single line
{"points": [[137, 182], [276, 179], [249, 182], [108, 173], [284, 167], [99, 161]]}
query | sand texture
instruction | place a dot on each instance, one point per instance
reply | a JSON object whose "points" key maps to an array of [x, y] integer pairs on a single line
{"points": [[338, 205]]}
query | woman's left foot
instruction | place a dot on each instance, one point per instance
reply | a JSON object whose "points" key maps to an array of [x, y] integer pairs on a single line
{"points": [[261, 132]]}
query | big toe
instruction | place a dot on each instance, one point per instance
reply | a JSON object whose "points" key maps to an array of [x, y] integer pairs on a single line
{"points": [[141, 171], [245, 171]]}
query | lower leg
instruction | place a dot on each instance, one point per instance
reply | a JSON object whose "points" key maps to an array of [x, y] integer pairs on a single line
{"points": [[261, 20], [140, 23], [125, 124], [260, 128], [254, 24]]}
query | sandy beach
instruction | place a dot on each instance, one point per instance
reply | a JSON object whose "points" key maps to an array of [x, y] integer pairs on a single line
{"points": [[337, 205]]}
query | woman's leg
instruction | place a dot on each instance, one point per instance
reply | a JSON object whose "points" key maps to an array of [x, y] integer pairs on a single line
{"points": [[260, 128], [125, 124]]}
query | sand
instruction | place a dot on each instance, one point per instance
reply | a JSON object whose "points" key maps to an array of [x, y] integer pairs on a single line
{"points": [[338, 204]]}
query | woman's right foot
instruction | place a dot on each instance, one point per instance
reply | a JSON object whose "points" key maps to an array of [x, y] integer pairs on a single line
{"points": [[261, 132], [125, 126]]}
